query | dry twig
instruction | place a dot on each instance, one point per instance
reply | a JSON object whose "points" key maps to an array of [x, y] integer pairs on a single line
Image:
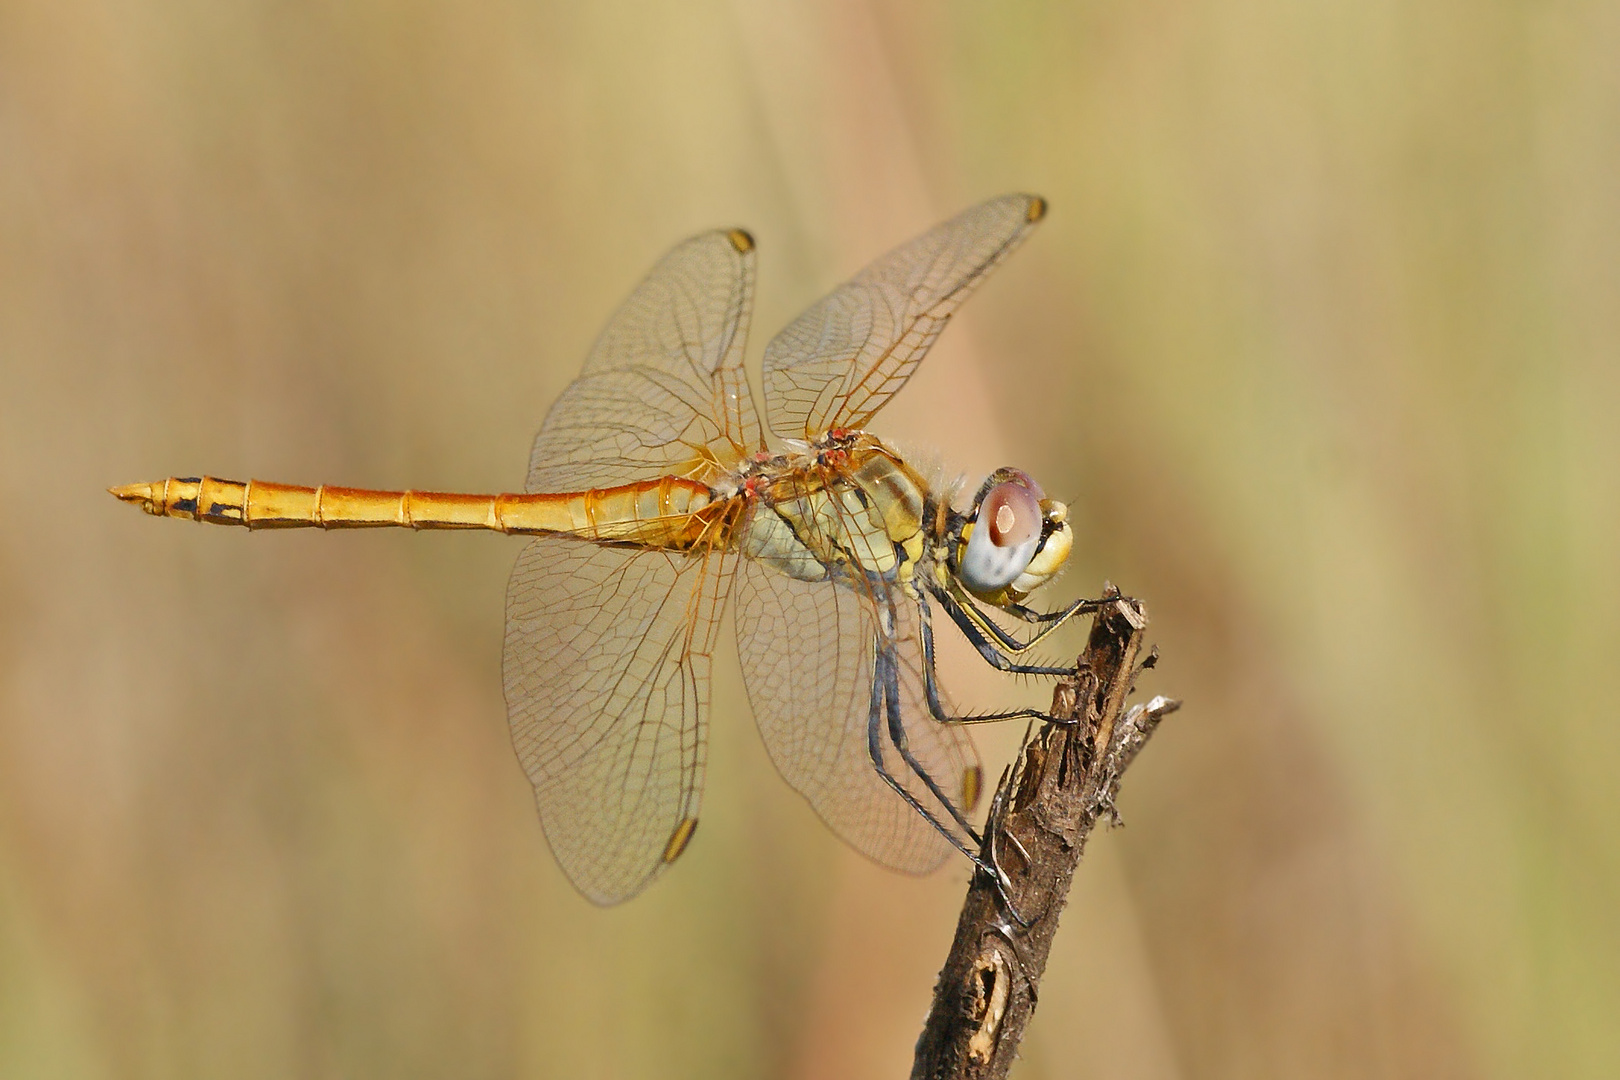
{"points": [[1064, 780]]}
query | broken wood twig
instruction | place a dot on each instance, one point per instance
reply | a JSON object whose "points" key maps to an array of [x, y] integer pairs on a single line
{"points": [[1065, 780]]}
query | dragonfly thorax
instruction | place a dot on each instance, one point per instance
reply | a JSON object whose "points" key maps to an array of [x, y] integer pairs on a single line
{"points": [[846, 507]]}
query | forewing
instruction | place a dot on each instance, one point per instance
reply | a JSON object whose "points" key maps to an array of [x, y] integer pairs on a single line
{"points": [[807, 654], [607, 685], [663, 392], [838, 363]]}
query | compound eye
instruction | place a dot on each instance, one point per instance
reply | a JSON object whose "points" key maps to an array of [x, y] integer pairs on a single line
{"points": [[1006, 533], [1013, 515]]}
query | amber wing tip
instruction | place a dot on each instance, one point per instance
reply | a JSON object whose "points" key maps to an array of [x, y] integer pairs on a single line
{"points": [[1037, 209], [142, 495], [679, 839]]}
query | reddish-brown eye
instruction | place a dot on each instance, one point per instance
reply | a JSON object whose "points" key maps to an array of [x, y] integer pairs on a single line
{"points": [[1003, 536], [1013, 514]]}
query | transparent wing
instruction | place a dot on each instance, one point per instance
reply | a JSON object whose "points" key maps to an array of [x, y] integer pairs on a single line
{"points": [[838, 363], [663, 392], [807, 654], [607, 686]]}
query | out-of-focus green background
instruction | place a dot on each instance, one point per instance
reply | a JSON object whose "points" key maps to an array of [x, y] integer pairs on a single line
{"points": [[1321, 337]]}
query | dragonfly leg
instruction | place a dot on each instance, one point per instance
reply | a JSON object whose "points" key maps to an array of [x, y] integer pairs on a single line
{"points": [[1049, 621], [886, 695], [1058, 617], [936, 705], [992, 828], [994, 643], [897, 736]]}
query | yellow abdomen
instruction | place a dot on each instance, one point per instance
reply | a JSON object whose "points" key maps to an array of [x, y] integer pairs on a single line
{"points": [[669, 512]]}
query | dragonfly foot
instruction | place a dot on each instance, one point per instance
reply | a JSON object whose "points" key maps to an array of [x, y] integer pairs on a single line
{"points": [[991, 864]]}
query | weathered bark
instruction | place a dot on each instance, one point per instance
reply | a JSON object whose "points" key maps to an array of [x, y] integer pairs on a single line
{"points": [[1064, 781]]}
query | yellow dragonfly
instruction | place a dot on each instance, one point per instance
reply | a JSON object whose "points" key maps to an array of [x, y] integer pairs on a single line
{"points": [[653, 494]]}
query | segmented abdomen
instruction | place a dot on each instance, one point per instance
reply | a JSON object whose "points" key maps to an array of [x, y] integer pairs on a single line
{"points": [[669, 512]]}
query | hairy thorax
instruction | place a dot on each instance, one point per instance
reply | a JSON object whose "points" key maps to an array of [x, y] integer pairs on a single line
{"points": [[847, 506]]}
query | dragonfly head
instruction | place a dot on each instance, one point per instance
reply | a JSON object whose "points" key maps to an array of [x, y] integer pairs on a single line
{"points": [[1013, 541]]}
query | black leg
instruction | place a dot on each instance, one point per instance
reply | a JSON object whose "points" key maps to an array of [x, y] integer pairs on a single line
{"points": [[994, 653], [897, 736], [1049, 621], [925, 623], [1061, 615], [885, 692]]}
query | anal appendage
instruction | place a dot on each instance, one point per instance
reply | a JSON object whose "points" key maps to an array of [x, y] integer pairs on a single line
{"points": [[147, 496]]}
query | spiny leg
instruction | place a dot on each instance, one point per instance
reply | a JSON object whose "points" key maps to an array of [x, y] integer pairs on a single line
{"points": [[897, 736], [936, 705], [1008, 644], [1060, 616], [885, 673], [974, 624]]}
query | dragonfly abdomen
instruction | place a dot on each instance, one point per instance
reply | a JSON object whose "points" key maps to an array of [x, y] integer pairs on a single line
{"points": [[665, 513]]}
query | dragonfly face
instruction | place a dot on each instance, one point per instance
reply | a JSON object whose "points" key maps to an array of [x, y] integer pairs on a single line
{"points": [[653, 496], [1014, 541]]}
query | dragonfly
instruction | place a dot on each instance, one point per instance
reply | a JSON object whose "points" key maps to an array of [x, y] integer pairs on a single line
{"points": [[654, 494]]}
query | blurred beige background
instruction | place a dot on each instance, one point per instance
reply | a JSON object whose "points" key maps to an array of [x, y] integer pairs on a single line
{"points": [[1322, 339]]}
